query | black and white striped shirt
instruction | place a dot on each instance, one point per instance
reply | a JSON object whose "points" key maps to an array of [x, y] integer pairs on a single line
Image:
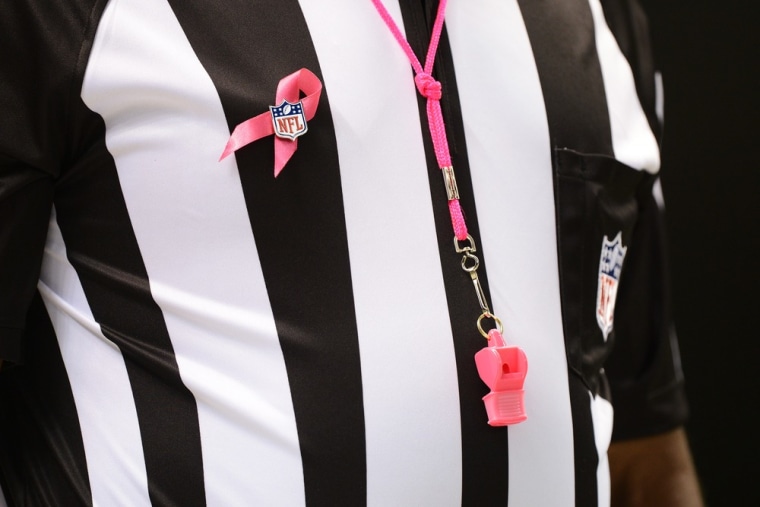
{"points": [[202, 333]]}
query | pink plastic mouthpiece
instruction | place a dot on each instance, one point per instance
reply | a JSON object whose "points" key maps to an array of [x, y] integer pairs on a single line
{"points": [[503, 369]]}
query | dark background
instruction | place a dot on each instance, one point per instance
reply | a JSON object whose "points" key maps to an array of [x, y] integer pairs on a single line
{"points": [[708, 54]]}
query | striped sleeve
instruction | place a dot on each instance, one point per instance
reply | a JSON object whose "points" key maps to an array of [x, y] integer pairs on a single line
{"points": [[644, 368], [38, 92], [26, 167]]}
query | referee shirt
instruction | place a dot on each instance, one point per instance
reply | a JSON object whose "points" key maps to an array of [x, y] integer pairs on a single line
{"points": [[184, 331]]}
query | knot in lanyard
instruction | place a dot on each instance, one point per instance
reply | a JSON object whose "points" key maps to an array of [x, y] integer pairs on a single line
{"points": [[428, 86]]}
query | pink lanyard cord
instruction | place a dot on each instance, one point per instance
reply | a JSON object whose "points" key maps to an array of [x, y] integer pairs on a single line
{"points": [[502, 368], [431, 90]]}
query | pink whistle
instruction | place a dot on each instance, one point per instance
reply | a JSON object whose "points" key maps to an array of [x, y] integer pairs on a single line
{"points": [[503, 369]]}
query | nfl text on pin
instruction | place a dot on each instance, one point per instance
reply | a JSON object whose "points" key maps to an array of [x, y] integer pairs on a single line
{"points": [[289, 120]]}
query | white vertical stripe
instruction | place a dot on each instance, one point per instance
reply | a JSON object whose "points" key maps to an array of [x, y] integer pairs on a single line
{"points": [[166, 129], [657, 194], [99, 383], [659, 98], [633, 142], [508, 146], [408, 368], [602, 417]]}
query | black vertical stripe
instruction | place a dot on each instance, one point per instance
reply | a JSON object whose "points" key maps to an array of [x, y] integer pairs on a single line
{"points": [[562, 36], [485, 457], [42, 459], [561, 33], [628, 23], [586, 457], [299, 227], [102, 247]]}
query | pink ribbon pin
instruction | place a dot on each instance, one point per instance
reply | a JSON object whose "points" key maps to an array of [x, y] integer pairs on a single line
{"points": [[260, 126]]}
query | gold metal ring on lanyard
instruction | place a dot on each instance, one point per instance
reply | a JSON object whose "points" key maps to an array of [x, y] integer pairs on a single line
{"points": [[497, 321]]}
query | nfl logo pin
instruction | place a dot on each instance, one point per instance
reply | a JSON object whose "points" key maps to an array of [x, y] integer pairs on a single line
{"points": [[610, 265], [289, 120]]}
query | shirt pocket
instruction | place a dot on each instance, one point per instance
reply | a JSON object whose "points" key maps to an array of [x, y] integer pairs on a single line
{"points": [[597, 210]]}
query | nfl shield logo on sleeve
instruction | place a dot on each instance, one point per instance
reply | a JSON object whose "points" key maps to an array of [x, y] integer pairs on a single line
{"points": [[610, 265], [288, 119]]}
